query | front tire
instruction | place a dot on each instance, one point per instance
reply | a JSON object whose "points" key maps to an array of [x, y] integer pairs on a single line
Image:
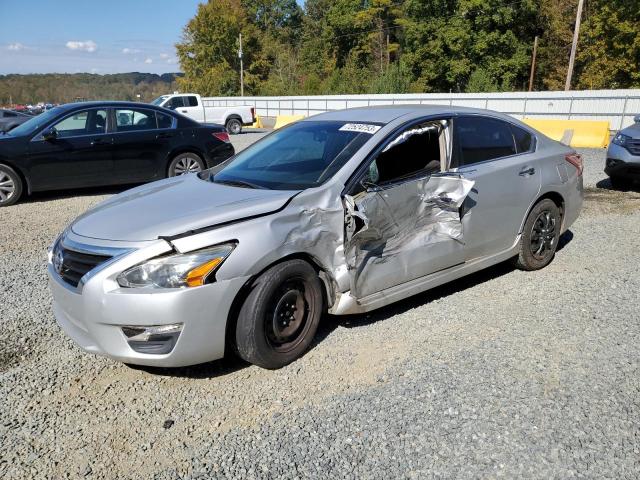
{"points": [[280, 316], [234, 126], [540, 236], [10, 186], [184, 163], [620, 183]]}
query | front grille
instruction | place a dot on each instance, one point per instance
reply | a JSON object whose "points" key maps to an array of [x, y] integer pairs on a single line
{"points": [[634, 146], [72, 265]]}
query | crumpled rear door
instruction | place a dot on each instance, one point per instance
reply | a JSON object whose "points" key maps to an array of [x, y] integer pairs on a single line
{"points": [[397, 234]]}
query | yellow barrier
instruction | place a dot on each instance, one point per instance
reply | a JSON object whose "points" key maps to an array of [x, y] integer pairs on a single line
{"points": [[257, 123], [582, 133], [282, 120]]}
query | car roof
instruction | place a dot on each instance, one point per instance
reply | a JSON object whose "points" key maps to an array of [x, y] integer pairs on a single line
{"points": [[389, 113], [105, 103]]}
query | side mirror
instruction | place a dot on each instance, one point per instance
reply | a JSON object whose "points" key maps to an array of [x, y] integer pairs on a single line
{"points": [[636, 119], [50, 135]]}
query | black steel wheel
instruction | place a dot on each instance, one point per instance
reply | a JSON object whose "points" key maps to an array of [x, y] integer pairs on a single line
{"points": [[280, 316], [540, 236]]}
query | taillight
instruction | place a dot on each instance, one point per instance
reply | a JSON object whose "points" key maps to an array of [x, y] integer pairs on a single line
{"points": [[575, 159], [222, 136], [253, 114]]}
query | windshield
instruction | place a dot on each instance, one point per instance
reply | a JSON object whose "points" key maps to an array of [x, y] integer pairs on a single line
{"points": [[33, 124], [301, 156], [159, 100]]}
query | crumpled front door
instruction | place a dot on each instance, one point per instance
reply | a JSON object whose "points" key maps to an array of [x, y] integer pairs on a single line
{"points": [[403, 232]]}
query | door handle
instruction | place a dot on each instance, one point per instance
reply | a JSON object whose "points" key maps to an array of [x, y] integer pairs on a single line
{"points": [[164, 135], [183, 111], [98, 141], [526, 171]]}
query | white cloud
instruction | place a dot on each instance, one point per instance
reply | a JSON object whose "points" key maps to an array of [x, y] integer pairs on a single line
{"points": [[95, 70], [171, 61], [86, 46], [148, 60], [16, 47], [128, 51], [164, 55]]}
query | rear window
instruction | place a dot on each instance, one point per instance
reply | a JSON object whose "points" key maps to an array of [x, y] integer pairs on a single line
{"points": [[132, 119], [191, 101]]}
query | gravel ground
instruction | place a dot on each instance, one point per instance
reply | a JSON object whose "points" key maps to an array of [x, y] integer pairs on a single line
{"points": [[502, 374]]}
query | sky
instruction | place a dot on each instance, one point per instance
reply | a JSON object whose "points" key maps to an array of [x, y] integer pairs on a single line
{"points": [[108, 36]]}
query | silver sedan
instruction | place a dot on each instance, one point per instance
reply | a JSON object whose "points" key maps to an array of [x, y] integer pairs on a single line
{"points": [[343, 212]]}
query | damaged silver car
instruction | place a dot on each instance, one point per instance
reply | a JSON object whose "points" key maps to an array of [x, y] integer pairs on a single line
{"points": [[343, 212]]}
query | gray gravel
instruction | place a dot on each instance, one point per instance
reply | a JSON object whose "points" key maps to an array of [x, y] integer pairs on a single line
{"points": [[502, 374]]}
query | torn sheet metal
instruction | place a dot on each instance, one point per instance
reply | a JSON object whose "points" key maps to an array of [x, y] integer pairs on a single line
{"points": [[398, 234]]}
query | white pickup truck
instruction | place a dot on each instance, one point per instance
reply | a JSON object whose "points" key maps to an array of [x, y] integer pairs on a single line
{"points": [[191, 105]]}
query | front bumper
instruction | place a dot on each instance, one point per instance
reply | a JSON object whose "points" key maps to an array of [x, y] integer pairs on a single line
{"points": [[93, 315], [621, 163]]}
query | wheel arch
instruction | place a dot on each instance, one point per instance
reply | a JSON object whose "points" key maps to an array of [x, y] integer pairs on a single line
{"points": [[23, 177], [328, 291], [552, 195]]}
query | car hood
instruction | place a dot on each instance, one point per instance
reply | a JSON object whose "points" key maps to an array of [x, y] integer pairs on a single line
{"points": [[632, 130], [175, 206]]}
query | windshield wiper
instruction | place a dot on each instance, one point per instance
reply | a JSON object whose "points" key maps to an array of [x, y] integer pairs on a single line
{"points": [[235, 183]]}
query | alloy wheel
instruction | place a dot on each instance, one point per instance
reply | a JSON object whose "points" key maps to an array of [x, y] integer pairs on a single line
{"points": [[187, 165], [7, 187], [543, 235]]}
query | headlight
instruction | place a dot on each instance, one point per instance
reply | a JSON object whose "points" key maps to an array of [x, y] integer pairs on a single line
{"points": [[177, 271], [621, 139]]}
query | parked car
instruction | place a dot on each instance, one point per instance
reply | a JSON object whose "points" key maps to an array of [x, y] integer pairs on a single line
{"points": [[104, 143], [343, 212], [10, 119], [191, 105], [623, 156]]}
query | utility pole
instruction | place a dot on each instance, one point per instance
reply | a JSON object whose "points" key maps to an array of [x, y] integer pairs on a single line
{"points": [[533, 63], [241, 69], [574, 45]]}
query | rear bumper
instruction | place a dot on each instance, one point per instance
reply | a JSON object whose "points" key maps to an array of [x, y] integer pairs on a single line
{"points": [[219, 154], [94, 315]]}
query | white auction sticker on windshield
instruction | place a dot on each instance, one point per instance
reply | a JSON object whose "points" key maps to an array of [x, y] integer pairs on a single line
{"points": [[360, 127]]}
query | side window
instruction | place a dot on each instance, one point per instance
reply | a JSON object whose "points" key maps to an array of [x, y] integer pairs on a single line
{"points": [[175, 102], [87, 122], [415, 151], [480, 139], [191, 101], [10, 114], [164, 121], [523, 139], [131, 120]]}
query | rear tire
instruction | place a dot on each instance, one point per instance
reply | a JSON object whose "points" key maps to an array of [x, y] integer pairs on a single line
{"points": [[185, 163], [234, 126], [540, 236], [280, 316], [10, 186]]}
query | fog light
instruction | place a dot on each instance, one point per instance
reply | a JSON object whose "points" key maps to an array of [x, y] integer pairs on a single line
{"points": [[156, 340]]}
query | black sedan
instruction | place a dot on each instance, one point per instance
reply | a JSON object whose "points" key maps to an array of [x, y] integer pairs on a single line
{"points": [[105, 143], [10, 119]]}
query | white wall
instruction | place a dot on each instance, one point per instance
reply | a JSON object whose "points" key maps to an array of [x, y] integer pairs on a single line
{"points": [[616, 106]]}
